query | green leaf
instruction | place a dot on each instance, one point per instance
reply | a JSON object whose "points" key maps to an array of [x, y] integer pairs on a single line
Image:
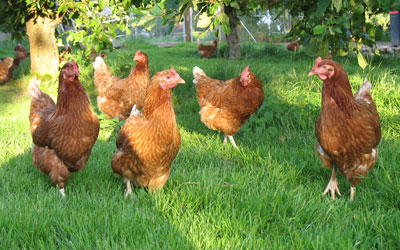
{"points": [[223, 18], [213, 9], [319, 29], [359, 10], [342, 52], [203, 34], [361, 61], [235, 5], [102, 4], [337, 4], [204, 21], [323, 49], [337, 29], [322, 5], [226, 28]]}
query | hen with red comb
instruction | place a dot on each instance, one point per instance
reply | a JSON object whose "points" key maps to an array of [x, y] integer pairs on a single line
{"points": [[117, 96], [227, 105], [64, 133], [148, 142]]}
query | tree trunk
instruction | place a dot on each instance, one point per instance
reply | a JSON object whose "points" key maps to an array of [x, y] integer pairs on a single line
{"points": [[43, 45], [233, 38], [188, 26]]}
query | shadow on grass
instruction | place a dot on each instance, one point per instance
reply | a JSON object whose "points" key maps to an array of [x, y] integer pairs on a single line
{"points": [[94, 213]]}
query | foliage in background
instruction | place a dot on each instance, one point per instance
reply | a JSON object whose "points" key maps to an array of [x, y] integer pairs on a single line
{"points": [[340, 26], [97, 22]]}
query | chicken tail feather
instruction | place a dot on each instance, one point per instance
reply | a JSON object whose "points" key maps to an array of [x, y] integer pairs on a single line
{"points": [[99, 64], [134, 111], [34, 89], [364, 91], [197, 73]]}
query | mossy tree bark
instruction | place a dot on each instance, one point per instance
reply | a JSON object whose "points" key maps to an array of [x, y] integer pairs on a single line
{"points": [[233, 38], [43, 44]]}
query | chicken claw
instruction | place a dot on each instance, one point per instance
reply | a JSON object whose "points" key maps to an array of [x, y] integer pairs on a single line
{"points": [[332, 185], [62, 192], [352, 193], [230, 139], [128, 189]]}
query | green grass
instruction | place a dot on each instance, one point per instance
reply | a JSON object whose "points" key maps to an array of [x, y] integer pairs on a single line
{"points": [[266, 195]]}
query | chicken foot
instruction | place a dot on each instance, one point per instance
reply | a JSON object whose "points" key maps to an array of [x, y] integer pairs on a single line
{"points": [[352, 193], [62, 192], [230, 139], [128, 188], [332, 185]]}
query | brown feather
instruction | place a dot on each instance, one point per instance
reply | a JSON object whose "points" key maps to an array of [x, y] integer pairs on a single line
{"points": [[117, 96], [63, 134], [147, 144], [348, 129], [226, 106], [207, 50]]}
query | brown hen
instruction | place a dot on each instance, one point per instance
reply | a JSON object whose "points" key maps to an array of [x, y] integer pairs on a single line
{"points": [[226, 106], [348, 129], [20, 54], [206, 50], [117, 96], [293, 46], [5, 66], [147, 144], [64, 133]]}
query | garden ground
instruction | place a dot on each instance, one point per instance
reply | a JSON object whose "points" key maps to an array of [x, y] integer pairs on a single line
{"points": [[264, 195]]}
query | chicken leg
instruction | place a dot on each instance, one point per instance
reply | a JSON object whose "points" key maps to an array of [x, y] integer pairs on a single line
{"points": [[62, 192], [128, 188], [230, 139], [352, 193], [332, 185]]}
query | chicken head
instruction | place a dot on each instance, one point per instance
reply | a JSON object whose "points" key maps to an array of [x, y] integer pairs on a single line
{"points": [[70, 71], [322, 69], [21, 52], [140, 57], [170, 79]]}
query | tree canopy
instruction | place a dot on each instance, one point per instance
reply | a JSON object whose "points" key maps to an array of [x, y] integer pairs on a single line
{"points": [[339, 26]]}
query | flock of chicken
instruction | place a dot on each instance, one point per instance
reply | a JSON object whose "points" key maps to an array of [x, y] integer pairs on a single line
{"points": [[347, 130], [9, 64]]}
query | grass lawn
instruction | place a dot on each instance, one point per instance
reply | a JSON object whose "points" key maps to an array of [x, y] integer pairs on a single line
{"points": [[266, 195]]}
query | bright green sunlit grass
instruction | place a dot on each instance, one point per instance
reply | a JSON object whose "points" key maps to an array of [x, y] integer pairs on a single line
{"points": [[266, 195]]}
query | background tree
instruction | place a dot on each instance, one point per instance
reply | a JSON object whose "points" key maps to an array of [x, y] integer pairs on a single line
{"points": [[215, 13], [339, 26], [38, 20]]}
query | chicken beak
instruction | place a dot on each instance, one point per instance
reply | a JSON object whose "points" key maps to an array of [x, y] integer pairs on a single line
{"points": [[312, 72], [180, 80]]}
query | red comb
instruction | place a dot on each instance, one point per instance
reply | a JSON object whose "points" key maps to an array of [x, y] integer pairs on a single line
{"points": [[317, 61], [137, 52], [173, 71], [74, 65], [245, 71]]}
